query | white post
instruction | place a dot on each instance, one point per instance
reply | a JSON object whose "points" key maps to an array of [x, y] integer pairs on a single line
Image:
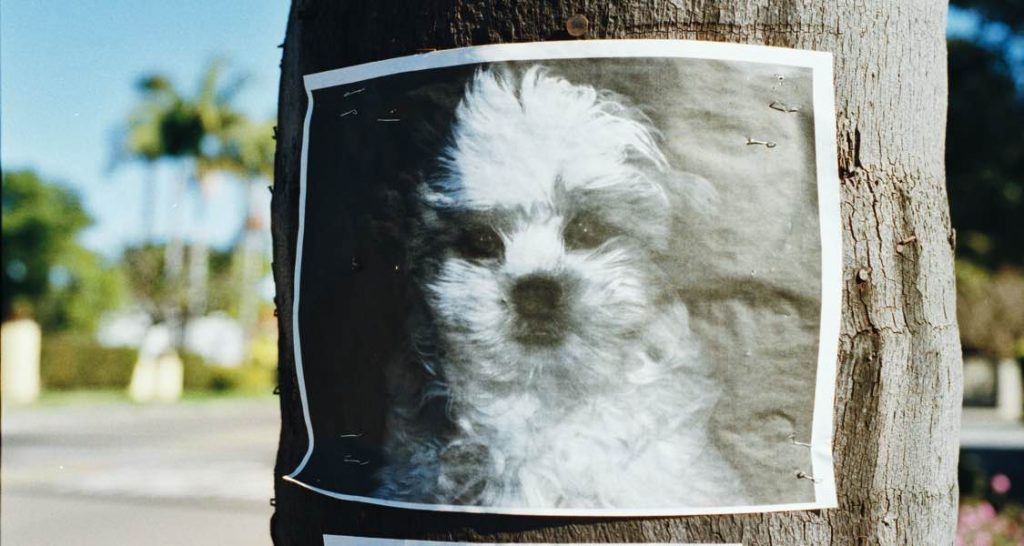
{"points": [[1009, 397], [158, 374], [170, 375], [20, 345]]}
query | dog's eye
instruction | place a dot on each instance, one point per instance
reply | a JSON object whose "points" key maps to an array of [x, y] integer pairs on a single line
{"points": [[586, 231], [480, 242]]}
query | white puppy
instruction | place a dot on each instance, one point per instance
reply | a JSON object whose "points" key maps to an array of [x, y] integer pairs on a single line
{"points": [[554, 364]]}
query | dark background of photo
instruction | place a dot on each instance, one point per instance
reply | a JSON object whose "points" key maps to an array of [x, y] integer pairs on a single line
{"points": [[749, 269]]}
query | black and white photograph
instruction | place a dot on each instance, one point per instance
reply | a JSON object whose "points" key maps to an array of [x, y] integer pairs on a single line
{"points": [[579, 278]]}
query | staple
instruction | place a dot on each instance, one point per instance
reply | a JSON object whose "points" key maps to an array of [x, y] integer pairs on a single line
{"points": [[350, 459], [354, 435], [388, 119], [801, 475], [783, 107], [353, 92], [765, 143], [792, 439], [352, 111], [901, 246]]}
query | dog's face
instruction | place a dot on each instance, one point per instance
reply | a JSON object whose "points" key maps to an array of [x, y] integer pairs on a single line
{"points": [[547, 220]]}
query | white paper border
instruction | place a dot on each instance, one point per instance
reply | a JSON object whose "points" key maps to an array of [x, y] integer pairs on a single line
{"points": [[828, 214]]}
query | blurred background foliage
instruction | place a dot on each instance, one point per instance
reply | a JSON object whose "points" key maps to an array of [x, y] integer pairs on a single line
{"points": [[985, 155], [46, 272], [985, 175], [985, 181], [168, 282]]}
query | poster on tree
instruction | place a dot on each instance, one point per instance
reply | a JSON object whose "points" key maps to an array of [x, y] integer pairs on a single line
{"points": [[592, 278]]}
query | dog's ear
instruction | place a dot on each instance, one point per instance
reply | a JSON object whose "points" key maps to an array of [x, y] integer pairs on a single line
{"points": [[689, 194], [693, 202]]}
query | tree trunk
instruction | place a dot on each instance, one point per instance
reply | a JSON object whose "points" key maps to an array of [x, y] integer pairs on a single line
{"points": [[898, 394], [174, 252], [148, 209], [198, 263], [251, 255]]}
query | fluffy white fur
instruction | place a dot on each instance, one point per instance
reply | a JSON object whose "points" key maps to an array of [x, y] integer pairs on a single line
{"points": [[603, 404]]}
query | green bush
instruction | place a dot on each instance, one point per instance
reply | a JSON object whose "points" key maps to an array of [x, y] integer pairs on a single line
{"points": [[201, 376], [198, 375], [70, 361]]}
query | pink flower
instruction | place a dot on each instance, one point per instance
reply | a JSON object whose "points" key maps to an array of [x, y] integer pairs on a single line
{"points": [[981, 525], [1000, 483]]}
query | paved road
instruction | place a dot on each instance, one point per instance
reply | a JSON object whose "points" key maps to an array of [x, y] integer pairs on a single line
{"points": [[115, 473], [195, 473]]}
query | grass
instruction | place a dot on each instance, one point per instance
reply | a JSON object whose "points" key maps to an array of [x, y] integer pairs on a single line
{"points": [[59, 398]]}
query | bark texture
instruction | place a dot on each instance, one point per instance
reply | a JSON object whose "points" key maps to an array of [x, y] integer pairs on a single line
{"points": [[898, 393]]}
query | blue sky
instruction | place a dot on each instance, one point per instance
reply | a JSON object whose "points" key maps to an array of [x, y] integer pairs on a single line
{"points": [[67, 81], [67, 75]]}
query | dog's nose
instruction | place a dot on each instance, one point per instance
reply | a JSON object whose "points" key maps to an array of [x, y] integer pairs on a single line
{"points": [[537, 296]]}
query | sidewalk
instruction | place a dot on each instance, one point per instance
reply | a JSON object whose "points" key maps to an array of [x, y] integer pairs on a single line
{"points": [[111, 472]]}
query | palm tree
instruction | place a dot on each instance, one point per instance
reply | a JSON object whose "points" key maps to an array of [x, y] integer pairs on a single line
{"points": [[142, 140], [161, 127], [212, 108], [190, 130], [249, 154]]}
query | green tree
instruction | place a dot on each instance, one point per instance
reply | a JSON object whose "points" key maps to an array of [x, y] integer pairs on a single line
{"points": [[192, 130], [170, 124], [249, 154], [985, 143], [985, 175], [44, 268], [249, 150], [985, 156], [160, 296], [82, 287], [990, 309], [143, 140]]}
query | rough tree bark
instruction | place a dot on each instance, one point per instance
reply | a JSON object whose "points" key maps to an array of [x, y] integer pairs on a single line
{"points": [[898, 392]]}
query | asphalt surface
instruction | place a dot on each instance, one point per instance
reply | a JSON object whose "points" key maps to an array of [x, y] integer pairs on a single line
{"points": [[193, 473], [196, 473]]}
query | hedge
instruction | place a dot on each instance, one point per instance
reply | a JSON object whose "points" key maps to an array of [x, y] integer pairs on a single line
{"points": [[71, 361], [77, 362], [248, 377]]}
